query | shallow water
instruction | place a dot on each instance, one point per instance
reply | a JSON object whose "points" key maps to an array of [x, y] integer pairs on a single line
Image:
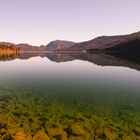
{"points": [[71, 88]]}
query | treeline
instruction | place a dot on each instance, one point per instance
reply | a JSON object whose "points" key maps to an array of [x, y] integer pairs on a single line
{"points": [[9, 49]]}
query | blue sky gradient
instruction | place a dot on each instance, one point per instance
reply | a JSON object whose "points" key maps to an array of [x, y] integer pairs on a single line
{"points": [[40, 21]]}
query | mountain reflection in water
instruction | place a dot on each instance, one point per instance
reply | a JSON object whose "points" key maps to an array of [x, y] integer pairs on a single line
{"points": [[98, 58]]}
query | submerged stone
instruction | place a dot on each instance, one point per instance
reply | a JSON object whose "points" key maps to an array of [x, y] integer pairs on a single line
{"points": [[41, 135], [57, 132], [29, 137], [2, 131], [19, 136], [76, 138], [76, 129], [127, 138], [137, 131], [110, 135]]}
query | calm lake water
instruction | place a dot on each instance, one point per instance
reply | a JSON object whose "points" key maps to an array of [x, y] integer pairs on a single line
{"points": [[59, 89]]}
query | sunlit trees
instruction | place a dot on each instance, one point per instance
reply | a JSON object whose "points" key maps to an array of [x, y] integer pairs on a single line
{"points": [[8, 50]]}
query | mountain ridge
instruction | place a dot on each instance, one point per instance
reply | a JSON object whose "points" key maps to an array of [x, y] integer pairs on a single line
{"points": [[59, 45], [129, 42], [104, 42]]}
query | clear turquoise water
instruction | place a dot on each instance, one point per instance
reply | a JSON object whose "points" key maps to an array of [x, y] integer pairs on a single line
{"points": [[71, 87]]}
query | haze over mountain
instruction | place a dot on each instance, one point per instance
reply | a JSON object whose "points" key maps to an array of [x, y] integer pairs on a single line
{"points": [[59, 45], [112, 43], [125, 43], [27, 47], [22, 46]]}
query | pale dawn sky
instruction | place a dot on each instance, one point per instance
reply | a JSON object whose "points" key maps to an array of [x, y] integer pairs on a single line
{"points": [[38, 22]]}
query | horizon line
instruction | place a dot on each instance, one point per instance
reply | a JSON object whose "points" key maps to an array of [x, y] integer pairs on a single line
{"points": [[28, 43]]}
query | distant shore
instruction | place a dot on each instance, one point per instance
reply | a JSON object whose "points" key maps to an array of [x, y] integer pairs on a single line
{"points": [[8, 50]]}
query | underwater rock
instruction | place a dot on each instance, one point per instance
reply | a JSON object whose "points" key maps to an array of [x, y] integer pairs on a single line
{"points": [[76, 138], [41, 135], [110, 135], [7, 137], [63, 137], [57, 132], [76, 129], [29, 137], [3, 125], [127, 138], [2, 131], [19, 136], [137, 131]]}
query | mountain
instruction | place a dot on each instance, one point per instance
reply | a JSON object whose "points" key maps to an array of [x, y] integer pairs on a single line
{"points": [[27, 47], [23, 47], [58, 45], [121, 43], [111, 43], [7, 44]]}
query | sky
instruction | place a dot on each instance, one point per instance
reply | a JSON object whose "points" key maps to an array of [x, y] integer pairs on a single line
{"points": [[38, 22]]}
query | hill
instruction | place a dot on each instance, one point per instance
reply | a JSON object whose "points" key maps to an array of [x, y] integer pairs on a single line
{"points": [[111, 43], [58, 45]]}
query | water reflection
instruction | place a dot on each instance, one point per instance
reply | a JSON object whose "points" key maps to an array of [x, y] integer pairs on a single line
{"points": [[42, 96], [6, 57], [103, 59]]}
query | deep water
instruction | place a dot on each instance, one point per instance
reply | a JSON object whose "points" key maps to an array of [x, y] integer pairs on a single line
{"points": [[67, 96]]}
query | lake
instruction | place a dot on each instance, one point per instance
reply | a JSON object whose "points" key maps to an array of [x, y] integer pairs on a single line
{"points": [[74, 96]]}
